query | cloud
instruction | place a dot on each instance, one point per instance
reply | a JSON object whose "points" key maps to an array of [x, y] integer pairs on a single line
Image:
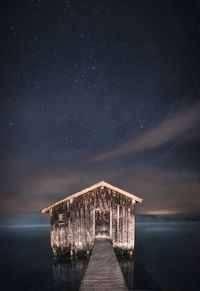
{"points": [[30, 186], [182, 125]]}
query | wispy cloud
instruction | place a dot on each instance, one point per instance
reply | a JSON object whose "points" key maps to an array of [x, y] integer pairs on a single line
{"points": [[182, 125], [33, 187], [28, 185]]}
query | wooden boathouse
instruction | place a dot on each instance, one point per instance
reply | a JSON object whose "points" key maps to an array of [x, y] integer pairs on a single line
{"points": [[99, 211]]}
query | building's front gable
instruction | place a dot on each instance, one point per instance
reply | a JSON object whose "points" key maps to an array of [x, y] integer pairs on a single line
{"points": [[101, 185]]}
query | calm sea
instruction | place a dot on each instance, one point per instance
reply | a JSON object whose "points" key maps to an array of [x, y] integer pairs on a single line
{"points": [[167, 258]]}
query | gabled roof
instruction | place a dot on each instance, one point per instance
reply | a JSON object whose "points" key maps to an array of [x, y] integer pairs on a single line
{"points": [[102, 184]]}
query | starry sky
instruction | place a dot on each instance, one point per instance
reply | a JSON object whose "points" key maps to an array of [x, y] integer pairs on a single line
{"points": [[100, 90]]}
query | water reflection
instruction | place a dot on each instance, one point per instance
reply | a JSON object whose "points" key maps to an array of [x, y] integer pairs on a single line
{"points": [[68, 272], [127, 267], [171, 258], [135, 274], [165, 253]]}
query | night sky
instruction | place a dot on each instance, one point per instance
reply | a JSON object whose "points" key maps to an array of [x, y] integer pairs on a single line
{"points": [[100, 90]]}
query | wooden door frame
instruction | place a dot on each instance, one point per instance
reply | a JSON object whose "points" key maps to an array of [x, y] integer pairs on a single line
{"points": [[99, 209]]}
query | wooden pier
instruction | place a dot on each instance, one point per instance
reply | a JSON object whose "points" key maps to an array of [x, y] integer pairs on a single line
{"points": [[103, 272]]}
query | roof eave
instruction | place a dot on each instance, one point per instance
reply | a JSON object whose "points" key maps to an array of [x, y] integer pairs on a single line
{"points": [[102, 183]]}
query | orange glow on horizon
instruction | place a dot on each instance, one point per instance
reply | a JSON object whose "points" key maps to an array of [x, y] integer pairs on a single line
{"points": [[161, 212]]}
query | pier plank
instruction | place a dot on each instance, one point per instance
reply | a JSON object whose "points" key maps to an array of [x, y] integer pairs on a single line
{"points": [[103, 272]]}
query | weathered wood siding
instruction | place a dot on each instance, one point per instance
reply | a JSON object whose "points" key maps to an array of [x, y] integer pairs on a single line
{"points": [[77, 229]]}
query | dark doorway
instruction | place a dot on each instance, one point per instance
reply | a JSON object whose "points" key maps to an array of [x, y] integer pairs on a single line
{"points": [[102, 223]]}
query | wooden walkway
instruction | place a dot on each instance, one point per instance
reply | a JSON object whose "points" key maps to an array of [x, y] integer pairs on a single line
{"points": [[103, 272]]}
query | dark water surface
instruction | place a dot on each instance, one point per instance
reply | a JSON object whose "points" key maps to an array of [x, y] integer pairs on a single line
{"points": [[167, 258]]}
